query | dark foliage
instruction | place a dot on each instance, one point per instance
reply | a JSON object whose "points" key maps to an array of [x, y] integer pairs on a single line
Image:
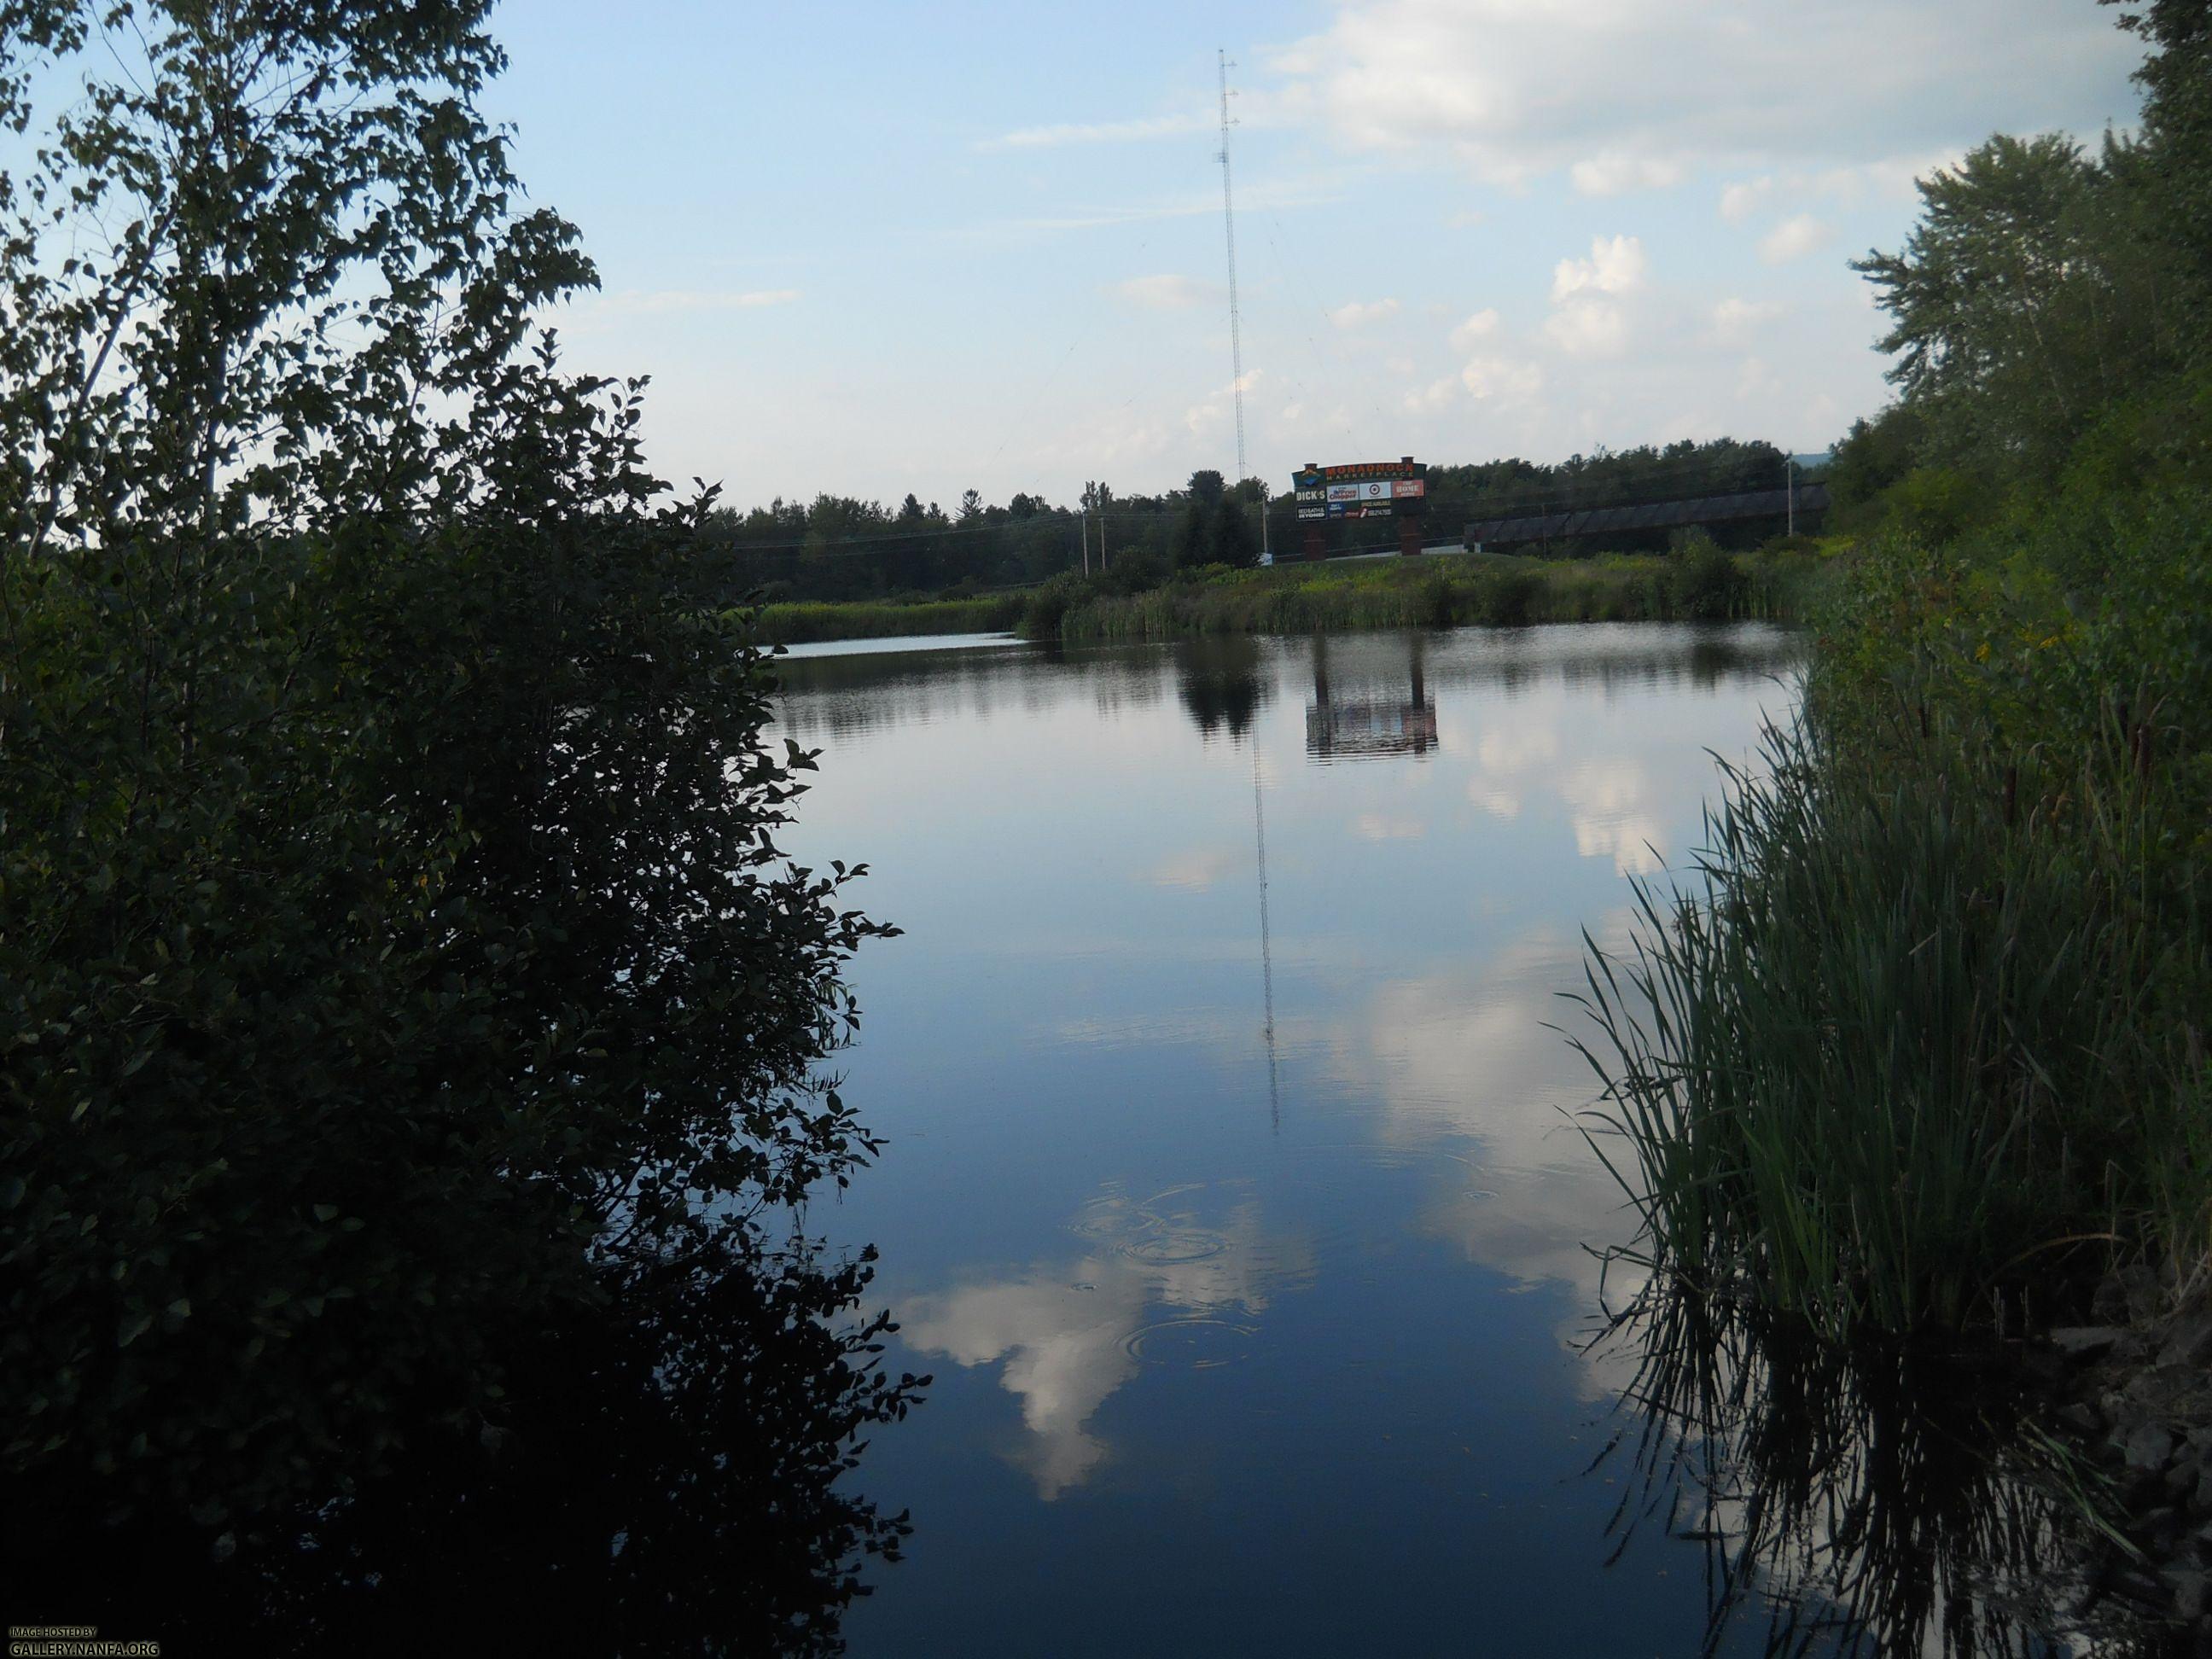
{"points": [[398, 972]]}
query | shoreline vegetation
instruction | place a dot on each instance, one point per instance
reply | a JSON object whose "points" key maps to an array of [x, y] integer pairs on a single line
{"points": [[1917, 1053], [1700, 582]]}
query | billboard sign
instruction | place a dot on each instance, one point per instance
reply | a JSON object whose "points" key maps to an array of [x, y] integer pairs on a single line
{"points": [[1362, 489]]}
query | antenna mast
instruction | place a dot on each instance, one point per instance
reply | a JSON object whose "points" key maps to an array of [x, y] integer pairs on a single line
{"points": [[1229, 222]]}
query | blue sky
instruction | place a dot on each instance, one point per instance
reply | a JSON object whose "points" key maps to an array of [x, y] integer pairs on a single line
{"points": [[878, 248]]}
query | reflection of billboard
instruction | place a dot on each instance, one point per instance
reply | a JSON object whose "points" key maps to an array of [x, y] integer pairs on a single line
{"points": [[1351, 729]]}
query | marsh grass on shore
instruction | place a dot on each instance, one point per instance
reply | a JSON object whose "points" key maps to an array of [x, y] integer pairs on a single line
{"points": [[806, 621], [1436, 591], [1915, 1044]]}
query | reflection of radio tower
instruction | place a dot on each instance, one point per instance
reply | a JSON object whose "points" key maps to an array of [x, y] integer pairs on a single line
{"points": [[1267, 945]]}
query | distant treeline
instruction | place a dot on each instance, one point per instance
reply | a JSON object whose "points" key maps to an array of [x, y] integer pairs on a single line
{"points": [[841, 548]]}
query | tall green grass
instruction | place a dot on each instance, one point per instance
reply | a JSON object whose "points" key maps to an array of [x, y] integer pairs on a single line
{"points": [[1436, 591], [803, 622], [1918, 1044]]}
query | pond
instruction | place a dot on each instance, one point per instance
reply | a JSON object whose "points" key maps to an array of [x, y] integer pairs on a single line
{"points": [[1234, 1194]]}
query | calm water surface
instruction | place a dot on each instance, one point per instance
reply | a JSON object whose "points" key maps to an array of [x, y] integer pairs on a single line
{"points": [[1245, 1230]]}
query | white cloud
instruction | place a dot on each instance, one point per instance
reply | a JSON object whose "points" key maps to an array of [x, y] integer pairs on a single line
{"points": [[1357, 313], [1618, 172], [1099, 132], [1795, 238], [1476, 329], [1624, 95], [1588, 319], [1439, 394], [1205, 418], [1165, 292], [1742, 200], [1502, 380], [1615, 266], [1589, 328], [1734, 320], [1754, 378]]}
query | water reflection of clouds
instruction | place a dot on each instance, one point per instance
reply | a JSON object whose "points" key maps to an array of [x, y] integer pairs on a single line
{"points": [[1473, 1056], [1377, 826], [1196, 868], [1102, 870], [1505, 759], [1067, 1335], [1613, 806]]}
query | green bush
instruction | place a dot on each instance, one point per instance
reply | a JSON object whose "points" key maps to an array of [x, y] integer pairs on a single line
{"points": [[1705, 584], [396, 960]]}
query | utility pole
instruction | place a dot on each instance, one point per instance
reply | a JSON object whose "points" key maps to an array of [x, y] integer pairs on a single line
{"points": [[1083, 528], [1790, 465], [1235, 334]]}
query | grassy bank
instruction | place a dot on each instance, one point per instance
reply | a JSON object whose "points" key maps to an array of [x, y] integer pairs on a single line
{"points": [[805, 622], [1435, 591], [1925, 1049]]}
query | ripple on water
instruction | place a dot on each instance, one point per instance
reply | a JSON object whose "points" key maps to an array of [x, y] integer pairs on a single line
{"points": [[1170, 1247], [1196, 1341]]}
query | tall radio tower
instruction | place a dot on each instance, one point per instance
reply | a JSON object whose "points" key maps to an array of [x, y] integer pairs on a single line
{"points": [[1235, 325], [1229, 222]]}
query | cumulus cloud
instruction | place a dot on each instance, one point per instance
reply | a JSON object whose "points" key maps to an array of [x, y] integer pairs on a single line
{"points": [[1589, 328], [1754, 378], [1744, 198], [1795, 238], [1734, 320], [1615, 266], [1502, 380], [1437, 394], [1624, 94], [1357, 313], [1165, 292], [1618, 172], [1476, 329], [1587, 319], [1099, 132]]}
